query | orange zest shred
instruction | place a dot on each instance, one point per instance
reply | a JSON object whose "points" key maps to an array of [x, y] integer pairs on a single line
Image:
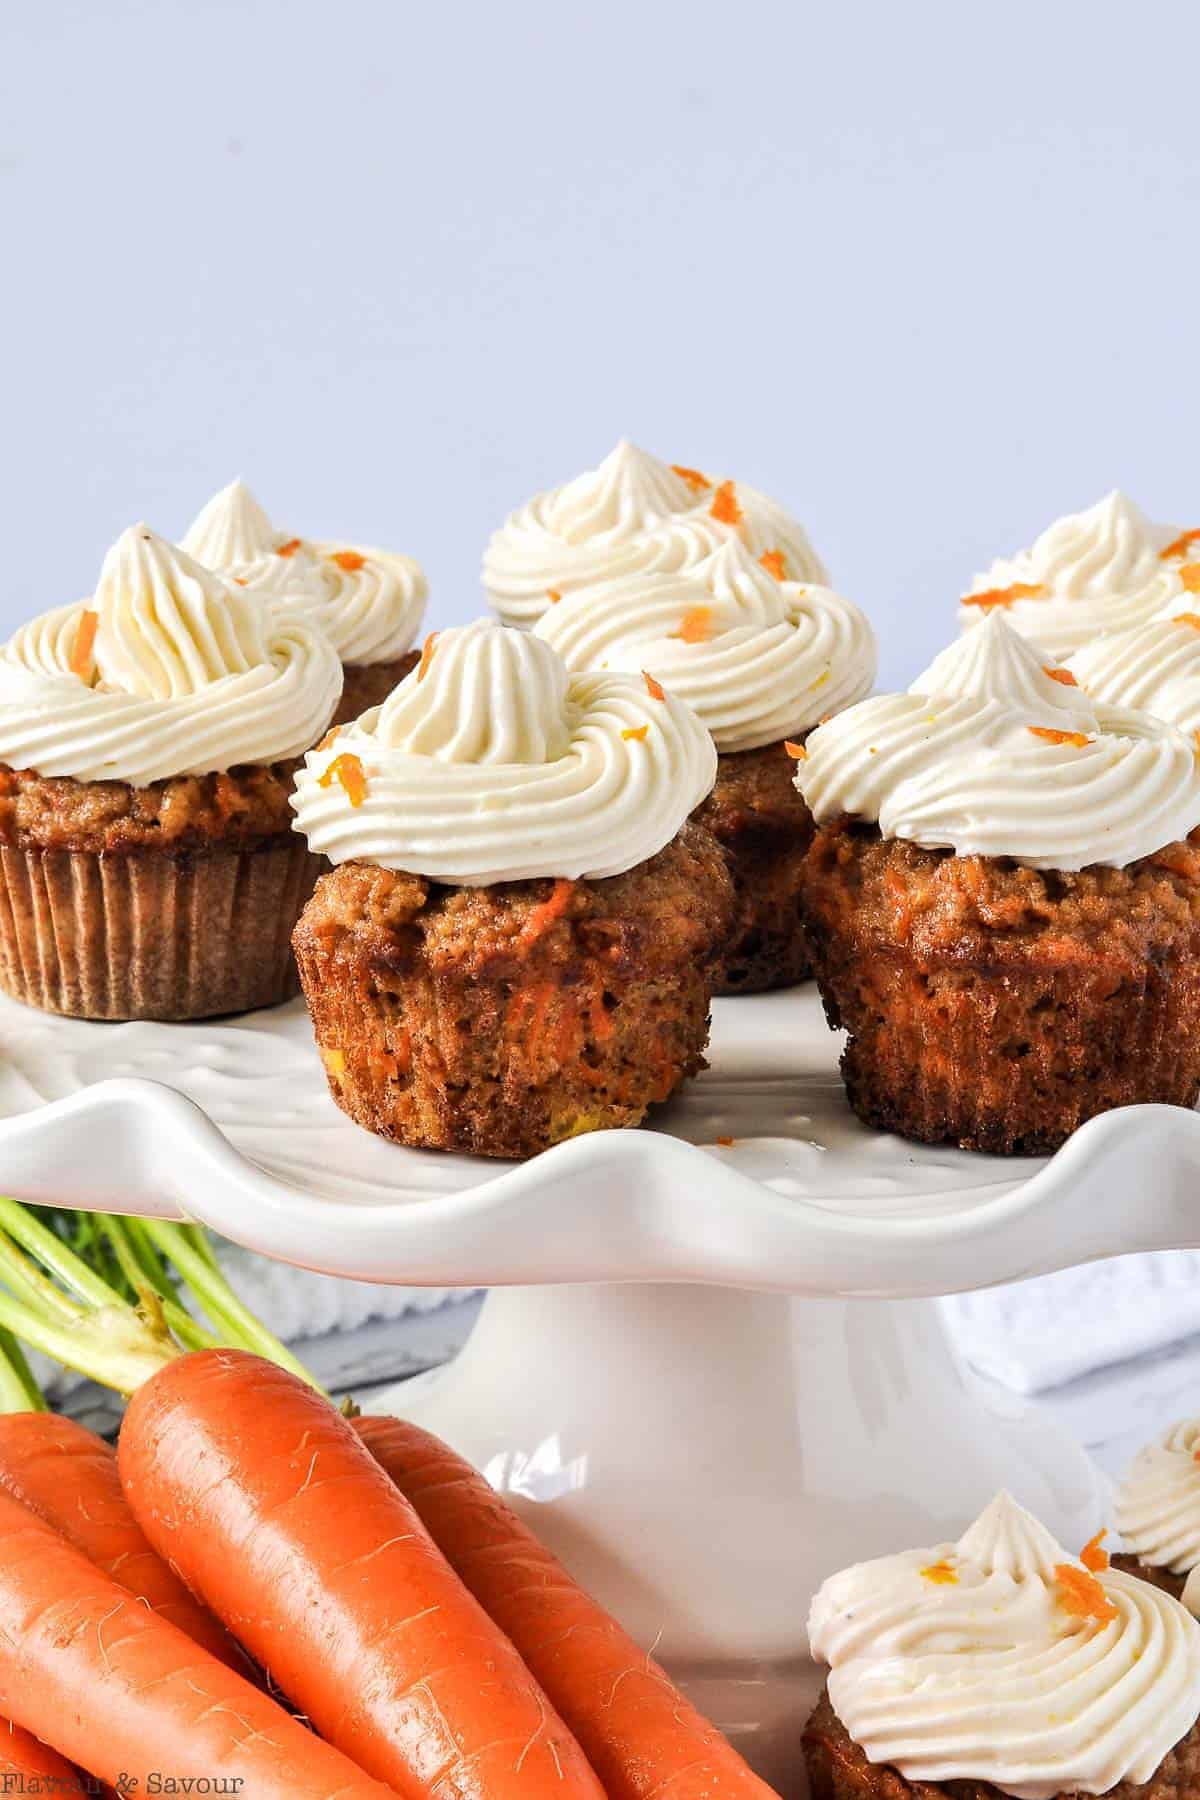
{"points": [[636, 731], [350, 560], [290, 548], [85, 637], [942, 1574], [1092, 1556], [547, 912], [693, 477], [725, 508], [773, 562], [554, 595], [1181, 545], [427, 649], [797, 752], [695, 627], [1079, 739], [1189, 618], [726, 1143], [1081, 1596], [1062, 675], [653, 688], [1020, 590], [1189, 575], [347, 769]]}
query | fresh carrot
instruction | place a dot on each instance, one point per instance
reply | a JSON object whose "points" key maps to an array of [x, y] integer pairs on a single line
{"points": [[274, 1511], [68, 1477], [89, 1669], [638, 1731], [23, 1759]]}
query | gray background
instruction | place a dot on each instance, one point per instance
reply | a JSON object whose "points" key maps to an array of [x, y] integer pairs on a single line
{"points": [[926, 272]]}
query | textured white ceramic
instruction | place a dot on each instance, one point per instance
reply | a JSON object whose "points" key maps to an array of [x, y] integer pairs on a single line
{"points": [[701, 1455], [232, 1123]]}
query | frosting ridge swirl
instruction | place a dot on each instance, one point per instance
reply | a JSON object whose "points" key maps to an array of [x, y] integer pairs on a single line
{"points": [[1158, 1502]]}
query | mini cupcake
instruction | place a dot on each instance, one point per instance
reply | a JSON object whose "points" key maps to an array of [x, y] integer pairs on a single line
{"points": [[369, 603], [1003, 911], [1158, 1513], [1154, 667], [1002, 1664], [517, 940], [1100, 570], [761, 659], [147, 745], [633, 515]]}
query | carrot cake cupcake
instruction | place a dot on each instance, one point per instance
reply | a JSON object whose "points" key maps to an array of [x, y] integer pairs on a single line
{"points": [[1158, 1513], [1002, 1664], [1003, 909], [632, 515], [147, 866], [516, 943], [368, 602], [761, 659], [1100, 570]]}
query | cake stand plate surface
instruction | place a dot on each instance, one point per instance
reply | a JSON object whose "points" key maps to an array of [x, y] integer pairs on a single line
{"points": [[708, 1370]]}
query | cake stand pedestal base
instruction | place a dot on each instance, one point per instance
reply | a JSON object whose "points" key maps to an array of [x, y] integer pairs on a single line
{"points": [[701, 1458]]}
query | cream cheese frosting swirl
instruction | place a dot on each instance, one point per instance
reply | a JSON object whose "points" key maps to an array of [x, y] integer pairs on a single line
{"points": [[1155, 667], [167, 672], [758, 658], [634, 515], [992, 754], [368, 602], [1000, 1658], [492, 763], [1158, 1502], [1095, 571]]}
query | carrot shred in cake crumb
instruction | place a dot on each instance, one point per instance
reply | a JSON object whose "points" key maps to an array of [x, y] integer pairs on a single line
{"points": [[290, 548], [85, 637], [636, 731], [554, 595], [942, 1574], [1181, 545], [335, 1063], [797, 752], [427, 649], [1080, 1594], [693, 477], [1020, 590], [774, 563], [653, 688], [695, 627], [726, 1143], [347, 769], [1079, 739], [725, 508], [545, 914], [350, 560], [1093, 1556], [1062, 675]]}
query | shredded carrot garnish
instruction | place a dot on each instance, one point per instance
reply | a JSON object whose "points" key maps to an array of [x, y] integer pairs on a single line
{"points": [[797, 752], [290, 548], [1189, 574], [348, 770], [1062, 675], [350, 560], [1181, 545], [1020, 590], [725, 508], [636, 731], [695, 627], [1079, 739], [335, 1063], [1080, 1594], [240, 581], [693, 477], [942, 1574], [554, 595], [329, 737], [426, 655], [1192, 619], [1092, 1556], [652, 687], [773, 562], [725, 1142], [547, 911], [85, 637]]}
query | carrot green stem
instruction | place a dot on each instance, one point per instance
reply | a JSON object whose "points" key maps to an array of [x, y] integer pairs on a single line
{"points": [[113, 1345], [142, 1268], [19, 1392]]}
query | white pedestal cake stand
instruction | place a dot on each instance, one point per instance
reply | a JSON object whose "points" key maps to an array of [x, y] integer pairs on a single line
{"points": [[712, 1369]]}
